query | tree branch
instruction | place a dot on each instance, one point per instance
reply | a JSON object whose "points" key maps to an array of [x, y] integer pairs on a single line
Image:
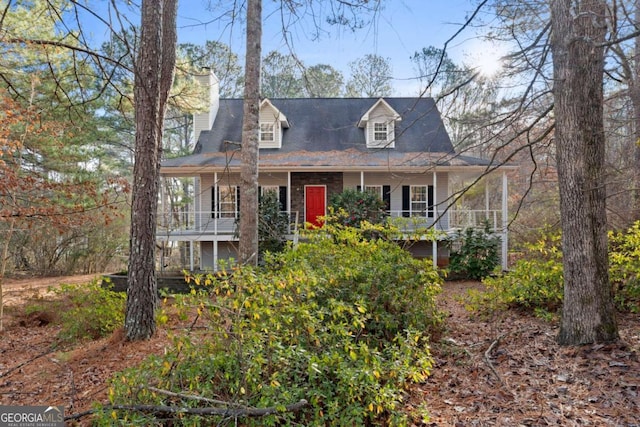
{"points": [[239, 412]]}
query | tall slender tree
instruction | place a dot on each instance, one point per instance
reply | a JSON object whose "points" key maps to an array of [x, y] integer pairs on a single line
{"points": [[248, 247], [578, 30], [154, 70]]}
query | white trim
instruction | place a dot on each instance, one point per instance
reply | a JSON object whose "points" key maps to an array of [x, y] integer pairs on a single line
{"points": [[365, 117], [289, 191]]}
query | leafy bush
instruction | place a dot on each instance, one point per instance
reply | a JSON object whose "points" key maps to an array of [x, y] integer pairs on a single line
{"points": [[532, 284], [92, 311], [86, 311], [273, 224], [624, 268], [478, 253], [352, 207], [535, 282], [339, 320]]}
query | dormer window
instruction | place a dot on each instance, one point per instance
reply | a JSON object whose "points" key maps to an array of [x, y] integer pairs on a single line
{"points": [[272, 125], [379, 125]]}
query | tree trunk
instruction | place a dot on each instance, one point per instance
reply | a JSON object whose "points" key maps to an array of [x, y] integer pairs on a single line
{"points": [[153, 79], [578, 32], [635, 101], [249, 151]]}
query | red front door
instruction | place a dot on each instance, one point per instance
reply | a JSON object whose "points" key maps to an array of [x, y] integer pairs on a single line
{"points": [[314, 204]]}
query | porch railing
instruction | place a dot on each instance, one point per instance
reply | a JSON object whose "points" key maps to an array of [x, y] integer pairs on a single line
{"points": [[209, 223], [226, 223]]}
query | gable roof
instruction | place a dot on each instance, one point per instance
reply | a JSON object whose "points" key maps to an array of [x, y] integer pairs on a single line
{"points": [[323, 133], [381, 102], [281, 117]]}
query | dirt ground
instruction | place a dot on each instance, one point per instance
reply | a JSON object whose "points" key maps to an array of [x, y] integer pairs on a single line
{"points": [[503, 371]]}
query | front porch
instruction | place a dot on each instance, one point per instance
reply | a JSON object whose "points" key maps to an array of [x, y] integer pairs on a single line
{"points": [[415, 201], [221, 235]]}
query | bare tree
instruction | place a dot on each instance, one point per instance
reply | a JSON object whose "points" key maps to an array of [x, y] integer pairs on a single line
{"points": [[153, 79], [577, 40], [370, 76]]}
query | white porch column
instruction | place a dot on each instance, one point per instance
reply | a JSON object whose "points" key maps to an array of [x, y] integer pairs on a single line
{"points": [[289, 192], [505, 213], [191, 257], [215, 222], [486, 197], [362, 181], [215, 254], [434, 244]]}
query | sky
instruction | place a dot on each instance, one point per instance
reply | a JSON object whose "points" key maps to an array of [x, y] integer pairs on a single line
{"points": [[402, 28]]}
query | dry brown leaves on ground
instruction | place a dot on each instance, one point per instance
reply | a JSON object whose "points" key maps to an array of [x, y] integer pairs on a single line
{"points": [[509, 371], [503, 371]]}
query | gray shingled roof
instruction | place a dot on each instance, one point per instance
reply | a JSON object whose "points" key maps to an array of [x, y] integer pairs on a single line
{"points": [[323, 132]]}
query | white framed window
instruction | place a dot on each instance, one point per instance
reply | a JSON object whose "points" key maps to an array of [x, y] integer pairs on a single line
{"points": [[418, 200], [374, 189], [267, 133], [227, 201], [380, 132], [421, 200]]}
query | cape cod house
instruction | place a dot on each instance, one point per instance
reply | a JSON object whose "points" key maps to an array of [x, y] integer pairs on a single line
{"points": [[312, 148]]}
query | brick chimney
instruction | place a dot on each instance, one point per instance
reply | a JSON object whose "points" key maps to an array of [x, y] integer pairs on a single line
{"points": [[204, 120]]}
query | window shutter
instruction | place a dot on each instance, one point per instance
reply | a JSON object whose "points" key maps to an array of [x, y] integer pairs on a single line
{"points": [[238, 201], [430, 201], [406, 195], [386, 196], [283, 198]]}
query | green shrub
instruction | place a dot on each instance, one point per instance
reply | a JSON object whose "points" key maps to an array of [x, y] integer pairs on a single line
{"points": [[273, 224], [478, 253], [352, 207], [624, 268], [339, 320], [532, 284], [92, 312], [535, 282], [86, 311]]}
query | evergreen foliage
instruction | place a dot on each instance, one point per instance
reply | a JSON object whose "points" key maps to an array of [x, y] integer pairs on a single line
{"points": [[536, 282], [352, 207], [340, 321], [273, 225], [478, 253]]}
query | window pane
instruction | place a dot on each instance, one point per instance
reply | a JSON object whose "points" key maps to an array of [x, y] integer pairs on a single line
{"points": [[380, 131], [374, 189], [266, 132], [227, 202], [418, 201]]}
